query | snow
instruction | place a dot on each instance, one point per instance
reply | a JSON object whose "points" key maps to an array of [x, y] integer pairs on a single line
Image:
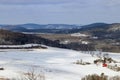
{"points": [[56, 63], [79, 35], [26, 45], [84, 42]]}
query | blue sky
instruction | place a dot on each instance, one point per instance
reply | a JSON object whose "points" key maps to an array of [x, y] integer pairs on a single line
{"points": [[59, 11]]}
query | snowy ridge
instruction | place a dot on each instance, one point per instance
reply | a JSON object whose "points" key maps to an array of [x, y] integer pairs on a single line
{"points": [[26, 45]]}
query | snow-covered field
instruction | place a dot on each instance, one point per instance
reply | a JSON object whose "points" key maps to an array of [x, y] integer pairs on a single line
{"points": [[79, 35], [55, 63]]}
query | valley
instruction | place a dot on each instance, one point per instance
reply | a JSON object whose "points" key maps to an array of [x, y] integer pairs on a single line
{"points": [[68, 54], [96, 36]]}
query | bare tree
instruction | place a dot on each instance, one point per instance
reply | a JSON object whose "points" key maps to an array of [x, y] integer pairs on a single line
{"points": [[35, 75], [32, 74]]}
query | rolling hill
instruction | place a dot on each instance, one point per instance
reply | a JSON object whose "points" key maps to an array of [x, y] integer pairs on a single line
{"points": [[15, 38]]}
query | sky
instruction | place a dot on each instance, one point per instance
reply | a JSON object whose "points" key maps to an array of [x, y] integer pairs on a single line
{"points": [[59, 11]]}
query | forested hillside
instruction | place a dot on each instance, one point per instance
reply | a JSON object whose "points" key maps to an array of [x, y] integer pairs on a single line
{"points": [[13, 38]]}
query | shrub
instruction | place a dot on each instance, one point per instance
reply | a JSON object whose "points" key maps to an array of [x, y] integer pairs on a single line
{"points": [[4, 79], [115, 78], [95, 77], [1, 68]]}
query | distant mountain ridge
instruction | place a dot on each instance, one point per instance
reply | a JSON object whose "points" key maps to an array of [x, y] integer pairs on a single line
{"points": [[60, 28], [44, 26], [94, 25], [40, 28], [47, 28]]}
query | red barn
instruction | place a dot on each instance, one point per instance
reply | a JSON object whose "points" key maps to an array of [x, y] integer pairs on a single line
{"points": [[104, 65]]}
